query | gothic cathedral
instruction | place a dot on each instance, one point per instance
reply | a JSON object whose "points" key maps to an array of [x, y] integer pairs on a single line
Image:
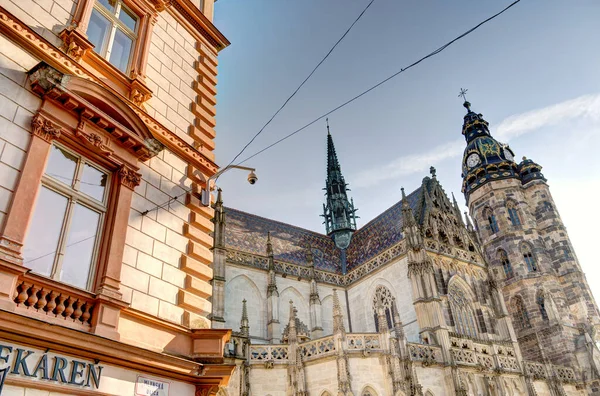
{"points": [[420, 300]]}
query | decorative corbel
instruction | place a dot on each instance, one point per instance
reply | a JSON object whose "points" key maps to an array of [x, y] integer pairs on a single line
{"points": [[44, 128], [44, 78], [75, 43], [129, 178], [162, 5], [140, 93], [93, 139]]}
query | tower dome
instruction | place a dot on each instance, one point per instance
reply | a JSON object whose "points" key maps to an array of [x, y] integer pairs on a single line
{"points": [[530, 170], [484, 157]]}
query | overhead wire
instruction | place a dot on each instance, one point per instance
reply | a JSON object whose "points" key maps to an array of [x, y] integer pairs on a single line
{"points": [[300, 86], [437, 51]]}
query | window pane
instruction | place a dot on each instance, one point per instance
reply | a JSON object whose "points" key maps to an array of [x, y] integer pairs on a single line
{"points": [[44, 231], [61, 165], [98, 30], [119, 54], [93, 182], [108, 4], [128, 18], [80, 247]]}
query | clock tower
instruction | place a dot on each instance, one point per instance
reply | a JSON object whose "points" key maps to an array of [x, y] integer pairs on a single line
{"points": [[529, 252]]}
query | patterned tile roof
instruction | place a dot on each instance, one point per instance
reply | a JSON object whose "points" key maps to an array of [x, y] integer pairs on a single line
{"points": [[248, 233], [379, 234]]}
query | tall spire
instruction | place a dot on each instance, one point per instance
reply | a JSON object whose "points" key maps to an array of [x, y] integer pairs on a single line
{"points": [[338, 211], [245, 324], [338, 317]]}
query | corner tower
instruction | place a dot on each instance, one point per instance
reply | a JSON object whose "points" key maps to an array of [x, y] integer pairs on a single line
{"points": [[529, 252], [338, 211]]}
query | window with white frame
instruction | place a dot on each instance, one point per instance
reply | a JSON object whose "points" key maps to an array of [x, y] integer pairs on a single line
{"points": [[64, 234], [113, 30]]}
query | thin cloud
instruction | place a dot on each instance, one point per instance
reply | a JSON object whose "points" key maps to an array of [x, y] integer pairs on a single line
{"points": [[583, 107]]}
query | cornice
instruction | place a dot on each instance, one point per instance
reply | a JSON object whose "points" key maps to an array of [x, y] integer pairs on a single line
{"points": [[38, 46], [201, 23]]}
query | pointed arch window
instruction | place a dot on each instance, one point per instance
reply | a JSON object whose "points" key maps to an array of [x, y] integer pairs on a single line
{"points": [[520, 316], [368, 392], [491, 219], [541, 302], [462, 311], [506, 265], [513, 214], [528, 258], [383, 295]]}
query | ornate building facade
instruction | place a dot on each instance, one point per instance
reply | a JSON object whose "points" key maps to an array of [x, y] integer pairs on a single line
{"points": [[419, 301], [106, 133]]}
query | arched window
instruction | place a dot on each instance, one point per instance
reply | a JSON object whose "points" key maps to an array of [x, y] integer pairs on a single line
{"points": [[513, 215], [541, 302], [383, 295], [368, 391], [462, 313], [520, 316], [528, 258], [506, 265], [491, 219]]}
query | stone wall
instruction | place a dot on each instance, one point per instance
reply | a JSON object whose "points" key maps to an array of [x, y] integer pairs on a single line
{"points": [[17, 105]]}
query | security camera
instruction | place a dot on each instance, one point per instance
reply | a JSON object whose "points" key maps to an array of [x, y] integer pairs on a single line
{"points": [[252, 178]]}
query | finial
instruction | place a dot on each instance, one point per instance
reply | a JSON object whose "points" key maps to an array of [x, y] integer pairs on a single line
{"points": [[524, 158], [309, 255], [219, 196], [463, 94], [432, 171], [269, 244], [403, 193], [327, 121]]}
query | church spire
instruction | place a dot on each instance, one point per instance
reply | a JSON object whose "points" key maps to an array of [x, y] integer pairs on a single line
{"points": [[338, 211]]}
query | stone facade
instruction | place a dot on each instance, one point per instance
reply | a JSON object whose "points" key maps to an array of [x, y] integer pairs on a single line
{"points": [[418, 303], [148, 128]]}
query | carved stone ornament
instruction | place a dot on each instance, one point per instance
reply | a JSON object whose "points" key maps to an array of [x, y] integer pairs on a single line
{"points": [[44, 78], [129, 178], [162, 5], [93, 139], [140, 93], [74, 43], [44, 128], [206, 390]]}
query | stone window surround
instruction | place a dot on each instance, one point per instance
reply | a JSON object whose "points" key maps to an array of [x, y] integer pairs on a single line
{"points": [[77, 46], [92, 133]]}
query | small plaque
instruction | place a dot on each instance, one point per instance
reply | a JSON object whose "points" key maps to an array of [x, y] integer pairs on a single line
{"points": [[150, 387]]}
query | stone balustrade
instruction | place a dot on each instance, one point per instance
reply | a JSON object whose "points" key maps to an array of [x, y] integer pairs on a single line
{"points": [[269, 353], [317, 348], [426, 354], [367, 341], [43, 297]]}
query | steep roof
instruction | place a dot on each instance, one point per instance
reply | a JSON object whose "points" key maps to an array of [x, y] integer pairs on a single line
{"points": [[248, 233]]}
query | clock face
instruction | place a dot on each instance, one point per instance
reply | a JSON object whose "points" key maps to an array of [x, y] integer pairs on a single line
{"points": [[473, 160], [508, 155]]}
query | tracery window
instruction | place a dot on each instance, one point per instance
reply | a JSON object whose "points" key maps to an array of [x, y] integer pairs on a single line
{"points": [[513, 214], [506, 265], [383, 295], [462, 312], [491, 219], [520, 316], [541, 302], [528, 258], [113, 31], [65, 230]]}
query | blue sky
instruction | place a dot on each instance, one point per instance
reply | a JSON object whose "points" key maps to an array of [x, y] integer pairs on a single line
{"points": [[532, 72]]}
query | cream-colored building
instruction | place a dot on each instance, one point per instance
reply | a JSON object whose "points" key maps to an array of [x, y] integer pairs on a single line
{"points": [[417, 301], [106, 133]]}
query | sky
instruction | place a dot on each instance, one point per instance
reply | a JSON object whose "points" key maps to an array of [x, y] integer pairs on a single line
{"points": [[533, 73]]}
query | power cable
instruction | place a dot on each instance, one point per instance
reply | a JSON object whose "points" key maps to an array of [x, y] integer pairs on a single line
{"points": [[437, 51], [300, 86]]}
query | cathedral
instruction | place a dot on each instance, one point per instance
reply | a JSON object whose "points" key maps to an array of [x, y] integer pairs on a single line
{"points": [[419, 301]]}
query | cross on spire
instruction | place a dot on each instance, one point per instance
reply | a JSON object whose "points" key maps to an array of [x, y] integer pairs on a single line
{"points": [[463, 94], [327, 121]]}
